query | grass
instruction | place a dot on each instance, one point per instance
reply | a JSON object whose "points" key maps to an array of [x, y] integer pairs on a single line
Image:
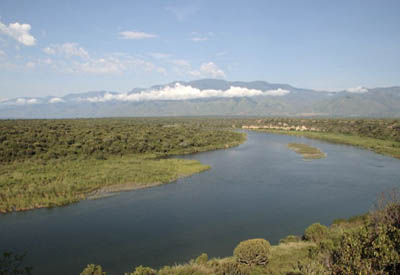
{"points": [[25, 185], [307, 151], [48, 163], [385, 147]]}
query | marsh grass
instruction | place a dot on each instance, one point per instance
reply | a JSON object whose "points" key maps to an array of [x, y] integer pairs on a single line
{"points": [[48, 163], [307, 151], [28, 185]]}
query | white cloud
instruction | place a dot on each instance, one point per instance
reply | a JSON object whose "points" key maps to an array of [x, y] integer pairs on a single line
{"points": [[358, 89], [182, 92], [209, 69], [199, 39], [135, 35], [19, 32], [67, 49], [3, 99], [101, 66], [56, 100], [108, 64], [277, 92], [23, 101]]}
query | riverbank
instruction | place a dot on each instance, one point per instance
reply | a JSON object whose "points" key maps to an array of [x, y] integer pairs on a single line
{"points": [[311, 253], [384, 147]]}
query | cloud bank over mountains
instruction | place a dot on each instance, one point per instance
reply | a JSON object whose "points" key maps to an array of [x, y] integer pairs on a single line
{"points": [[182, 92], [209, 97], [177, 92], [358, 89]]}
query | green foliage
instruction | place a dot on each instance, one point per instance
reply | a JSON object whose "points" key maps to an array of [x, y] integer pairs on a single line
{"points": [[383, 129], [69, 160], [100, 138], [290, 239], [202, 259], [379, 135], [307, 151], [315, 232], [253, 252], [92, 269], [142, 270], [375, 247], [12, 264], [189, 269], [32, 185]]}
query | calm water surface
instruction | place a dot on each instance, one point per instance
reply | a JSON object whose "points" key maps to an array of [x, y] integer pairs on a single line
{"points": [[260, 189]]}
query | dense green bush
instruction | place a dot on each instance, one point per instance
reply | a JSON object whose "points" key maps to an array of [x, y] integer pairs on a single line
{"points": [[290, 239], [190, 269], [12, 264], [374, 248], [142, 270], [202, 259], [315, 232], [253, 252], [92, 269], [100, 138]]}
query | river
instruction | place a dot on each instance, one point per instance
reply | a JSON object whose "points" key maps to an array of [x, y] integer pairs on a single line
{"points": [[260, 189]]}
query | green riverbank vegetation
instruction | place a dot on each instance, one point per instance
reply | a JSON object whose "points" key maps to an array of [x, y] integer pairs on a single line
{"points": [[366, 244], [47, 163], [307, 151], [379, 135]]}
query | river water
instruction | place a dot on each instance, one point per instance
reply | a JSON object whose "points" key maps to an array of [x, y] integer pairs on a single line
{"points": [[260, 189]]}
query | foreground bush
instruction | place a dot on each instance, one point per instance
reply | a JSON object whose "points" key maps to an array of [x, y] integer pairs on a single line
{"points": [[253, 252], [142, 270], [93, 270], [315, 232], [12, 264], [375, 247], [290, 239]]}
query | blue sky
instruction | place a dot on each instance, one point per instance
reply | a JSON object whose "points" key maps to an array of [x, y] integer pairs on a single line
{"points": [[59, 47]]}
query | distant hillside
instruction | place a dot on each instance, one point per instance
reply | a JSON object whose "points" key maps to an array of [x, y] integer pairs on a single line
{"points": [[210, 97]]}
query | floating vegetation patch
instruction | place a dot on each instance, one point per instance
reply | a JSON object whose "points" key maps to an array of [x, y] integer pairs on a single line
{"points": [[307, 151]]}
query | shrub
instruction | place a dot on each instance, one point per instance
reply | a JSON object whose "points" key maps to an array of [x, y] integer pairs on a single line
{"points": [[92, 269], [11, 264], [143, 270], [191, 269], [202, 259], [375, 247], [326, 245], [290, 239], [253, 252], [315, 232]]}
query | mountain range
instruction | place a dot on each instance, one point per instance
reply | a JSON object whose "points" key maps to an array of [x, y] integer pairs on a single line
{"points": [[210, 97]]}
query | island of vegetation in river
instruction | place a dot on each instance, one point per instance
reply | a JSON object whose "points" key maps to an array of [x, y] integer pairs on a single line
{"points": [[307, 151]]}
